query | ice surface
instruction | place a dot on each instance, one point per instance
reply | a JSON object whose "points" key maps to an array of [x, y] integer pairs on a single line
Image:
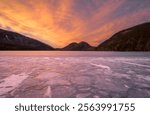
{"points": [[75, 76]]}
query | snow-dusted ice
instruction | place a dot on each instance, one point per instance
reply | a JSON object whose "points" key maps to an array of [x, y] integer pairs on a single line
{"points": [[75, 76]]}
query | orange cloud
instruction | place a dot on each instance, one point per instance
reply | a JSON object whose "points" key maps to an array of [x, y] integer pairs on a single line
{"points": [[116, 25], [59, 22]]}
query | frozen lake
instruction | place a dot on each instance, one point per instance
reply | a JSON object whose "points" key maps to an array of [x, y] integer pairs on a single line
{"points": [[75, 74]]}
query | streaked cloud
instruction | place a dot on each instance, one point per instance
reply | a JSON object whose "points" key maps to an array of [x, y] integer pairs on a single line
{"points": [[59, 22]]}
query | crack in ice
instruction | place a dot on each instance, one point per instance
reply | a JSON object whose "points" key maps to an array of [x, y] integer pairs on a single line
{"points": [[136, 64]]}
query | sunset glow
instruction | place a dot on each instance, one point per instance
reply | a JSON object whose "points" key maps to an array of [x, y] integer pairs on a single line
{"points": [[60, 22]]}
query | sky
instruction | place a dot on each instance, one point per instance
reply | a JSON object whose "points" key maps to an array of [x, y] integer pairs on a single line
{"points": [[60, 22]]}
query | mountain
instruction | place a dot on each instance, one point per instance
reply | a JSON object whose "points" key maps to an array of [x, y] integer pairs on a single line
{"points": [[82, 46], [136, 38], [14, 41]]}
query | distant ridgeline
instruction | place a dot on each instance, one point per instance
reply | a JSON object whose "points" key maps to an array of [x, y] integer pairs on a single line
{"points": [[136, 38]]}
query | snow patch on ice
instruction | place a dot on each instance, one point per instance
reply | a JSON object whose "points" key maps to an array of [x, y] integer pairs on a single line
{"points": [[11, 82], [48, 93], [101, 66]]}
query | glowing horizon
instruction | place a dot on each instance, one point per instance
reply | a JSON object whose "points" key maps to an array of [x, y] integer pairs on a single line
{"points": [[60, 22]]}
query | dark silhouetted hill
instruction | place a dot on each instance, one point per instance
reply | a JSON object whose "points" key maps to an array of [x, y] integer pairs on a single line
{"points": [[136, 38], [14, 41], [82, 46]]}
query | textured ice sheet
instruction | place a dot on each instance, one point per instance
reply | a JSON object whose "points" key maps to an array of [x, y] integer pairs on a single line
{"points": [[11, 82], [74, 76]]}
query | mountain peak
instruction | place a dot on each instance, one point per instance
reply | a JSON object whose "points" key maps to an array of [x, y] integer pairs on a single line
{"points": [[82, 46], [83, 43]]}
